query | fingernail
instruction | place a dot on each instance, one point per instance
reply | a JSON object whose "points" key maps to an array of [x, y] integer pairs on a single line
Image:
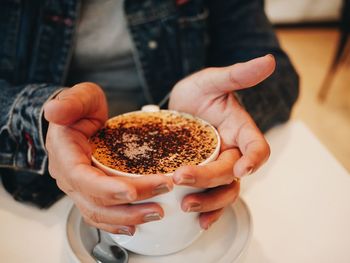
{"points": [[188, 179], [152, 217], [194, 207], [249, 171], [125, 231], [236, 179], [125, 196], [161, 189], [246, 173], [61, 95], [207, 226]]}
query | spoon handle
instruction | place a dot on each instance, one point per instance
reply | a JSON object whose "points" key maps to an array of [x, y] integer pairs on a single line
{"points": [[107, 251]]}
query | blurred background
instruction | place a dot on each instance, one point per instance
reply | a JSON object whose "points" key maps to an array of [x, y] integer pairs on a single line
{"points": [[315, 34]]}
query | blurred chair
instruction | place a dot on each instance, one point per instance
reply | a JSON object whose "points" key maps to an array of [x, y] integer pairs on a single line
{"points": [[343, 50]]}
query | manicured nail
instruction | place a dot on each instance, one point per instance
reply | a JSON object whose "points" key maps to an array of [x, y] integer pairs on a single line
{"points": [[125, 231], [250, 171], [188, 179], [236, 179], [193, 207], [152, 217], [207, 226], [246, 173], [161, 189]]}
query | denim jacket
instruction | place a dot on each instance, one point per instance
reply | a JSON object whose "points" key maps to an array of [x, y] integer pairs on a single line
{"points": [[171, 39]]}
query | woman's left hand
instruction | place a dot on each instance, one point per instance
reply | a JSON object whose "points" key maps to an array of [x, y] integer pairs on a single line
{"points": [[208, 94]]}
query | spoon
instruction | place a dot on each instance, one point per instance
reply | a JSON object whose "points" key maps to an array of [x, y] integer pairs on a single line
{"points": [[107, 251]]}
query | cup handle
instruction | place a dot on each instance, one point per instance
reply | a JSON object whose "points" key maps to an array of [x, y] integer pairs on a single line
{"points": [[150, 108]]}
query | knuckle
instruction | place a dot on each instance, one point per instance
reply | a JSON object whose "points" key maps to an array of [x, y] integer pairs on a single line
{"points": [[63, 93], [48, 144], [61, 186], [229, 179], [233, 76], [100, 201], [264, 146], [93, 88], [91, 85], [93, 215], [211, 181], [51, 170], [129, 216], [90, 213], [73, 181], [132, 216], [208, 70], [95, 200], [65, 188], [88, 221]]}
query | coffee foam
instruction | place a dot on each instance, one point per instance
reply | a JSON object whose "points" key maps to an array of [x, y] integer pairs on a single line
{"points": [[153, 142]]}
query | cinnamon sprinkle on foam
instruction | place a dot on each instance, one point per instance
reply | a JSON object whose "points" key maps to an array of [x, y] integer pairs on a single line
{"points": [[153, 142]]}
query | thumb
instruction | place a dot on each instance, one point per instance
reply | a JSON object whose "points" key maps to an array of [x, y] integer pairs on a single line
{"points": [[84, 100], [235, 77]]}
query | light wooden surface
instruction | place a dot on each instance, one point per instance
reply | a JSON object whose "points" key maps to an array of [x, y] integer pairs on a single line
{"points": [[312, 51]]}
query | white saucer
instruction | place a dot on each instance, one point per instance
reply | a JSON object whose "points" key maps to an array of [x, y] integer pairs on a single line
{"points": [[225, 242]]}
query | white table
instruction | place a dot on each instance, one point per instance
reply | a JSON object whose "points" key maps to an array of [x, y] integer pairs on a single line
{"points": [[300, 203], [302, 11]]}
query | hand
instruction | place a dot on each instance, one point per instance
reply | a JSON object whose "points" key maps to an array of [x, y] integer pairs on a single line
{"points": [[208, 94], [75, 115]]}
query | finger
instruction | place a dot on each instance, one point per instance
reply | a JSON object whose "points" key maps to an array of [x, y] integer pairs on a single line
{"points": [[208, 218], [112, 190], [131, 214], [75, 174], [254, 147], [80, 176], [150, 185], [239, 130], [235, 77], [212, 199], [91, 181], [69, 140], [114, 229], [82, 100], [141, 188], [216, 173], [105, 190]]}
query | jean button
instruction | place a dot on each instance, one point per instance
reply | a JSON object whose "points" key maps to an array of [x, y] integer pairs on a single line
{"points": [[152, 44]]}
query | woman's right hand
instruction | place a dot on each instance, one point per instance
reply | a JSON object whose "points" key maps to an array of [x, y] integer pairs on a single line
{"points": [[104, 201]]}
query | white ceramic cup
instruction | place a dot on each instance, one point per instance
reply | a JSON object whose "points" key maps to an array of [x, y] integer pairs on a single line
{"points": [[178, 229]]}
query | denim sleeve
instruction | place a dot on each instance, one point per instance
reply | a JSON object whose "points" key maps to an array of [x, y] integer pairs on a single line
{"points": [[21, 126], [241, 31]]}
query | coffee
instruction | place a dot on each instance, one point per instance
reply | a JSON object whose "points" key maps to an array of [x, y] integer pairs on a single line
{"points": [[153, 142]]}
